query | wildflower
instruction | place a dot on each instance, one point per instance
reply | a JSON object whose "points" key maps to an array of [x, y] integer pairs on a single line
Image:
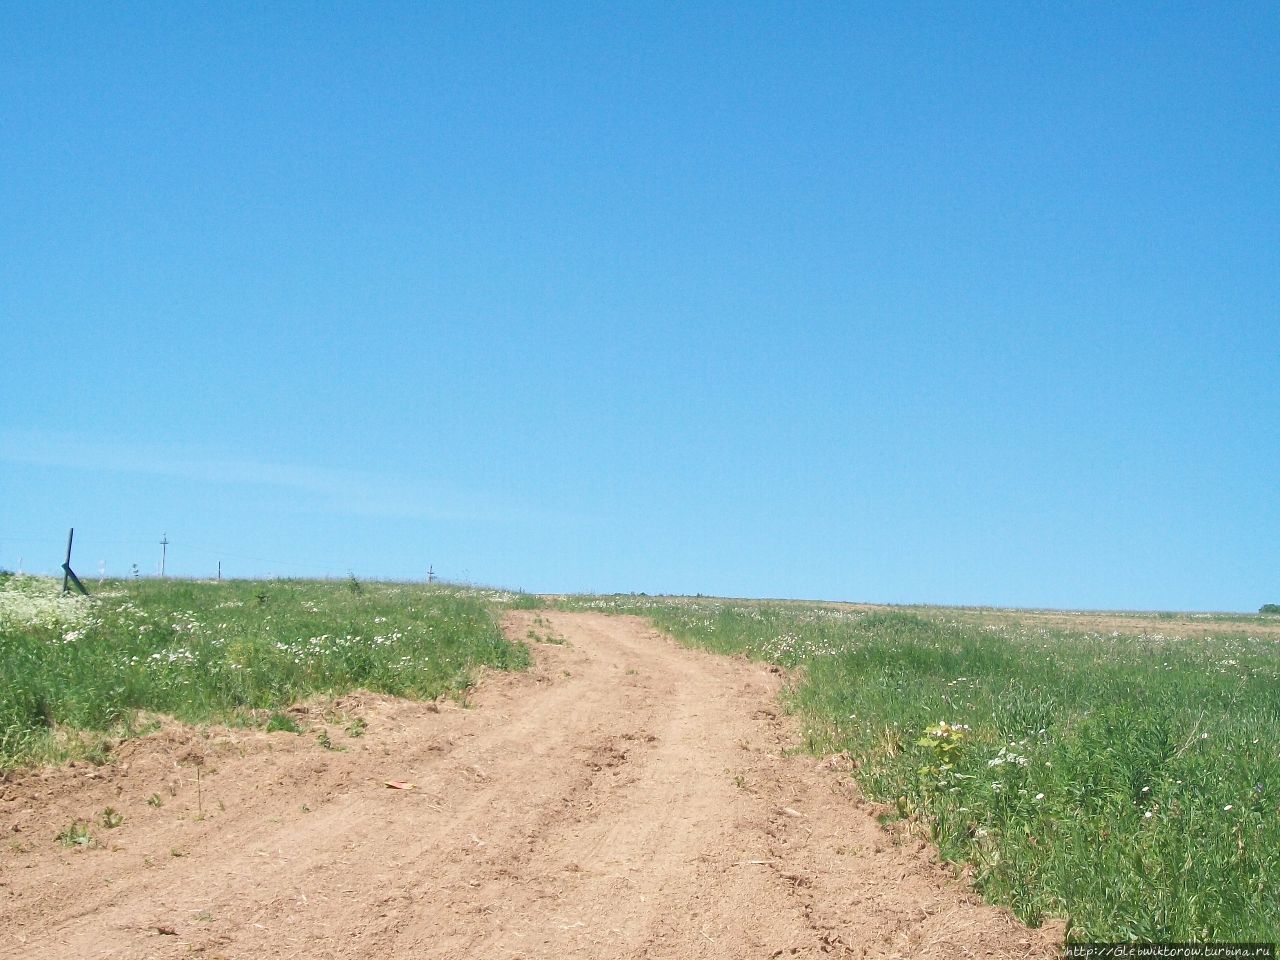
{"points": [[1227, 807], [1007, 756], [1148, 815], [1039, 796]]}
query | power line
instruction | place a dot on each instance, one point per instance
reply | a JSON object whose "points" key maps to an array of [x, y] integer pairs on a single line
{"points": [[218, 552], [317, 564]]}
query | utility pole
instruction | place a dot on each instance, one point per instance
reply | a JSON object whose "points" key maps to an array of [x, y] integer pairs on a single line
{"points": [[164, 549], [431, 574], [219, 571]]}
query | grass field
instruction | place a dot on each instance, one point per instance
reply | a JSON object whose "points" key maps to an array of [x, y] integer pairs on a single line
{"points": [[1128, 780], [1119, 770], [76, 673]]}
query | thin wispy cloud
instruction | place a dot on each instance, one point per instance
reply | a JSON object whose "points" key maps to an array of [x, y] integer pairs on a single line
{"points": [[332, 489]]}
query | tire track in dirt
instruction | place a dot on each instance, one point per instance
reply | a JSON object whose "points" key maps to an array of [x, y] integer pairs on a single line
{"points": [[626, 798]]}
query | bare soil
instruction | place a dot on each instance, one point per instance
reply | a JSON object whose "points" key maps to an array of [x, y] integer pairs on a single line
{"points": [[626, 798]]}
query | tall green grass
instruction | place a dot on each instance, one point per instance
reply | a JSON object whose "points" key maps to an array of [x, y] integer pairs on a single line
{"points": [[1130, 783], [203, 651]]}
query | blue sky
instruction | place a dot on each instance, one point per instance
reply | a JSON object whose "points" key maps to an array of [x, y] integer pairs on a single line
{"points": [[948, 303]]}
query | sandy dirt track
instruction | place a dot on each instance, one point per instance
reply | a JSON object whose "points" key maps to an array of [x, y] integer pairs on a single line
{"points": [[626, 798]]}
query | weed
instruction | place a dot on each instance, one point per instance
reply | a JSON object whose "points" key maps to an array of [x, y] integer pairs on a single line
{"points": [[76, 835], [357, 727], [548, 635], [326, 741], [282, 722], [943, 740], [99, 752], [155, 800], [111, 818]]}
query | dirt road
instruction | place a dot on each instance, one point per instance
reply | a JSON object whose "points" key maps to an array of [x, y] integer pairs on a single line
{"points": [[627, 798]]}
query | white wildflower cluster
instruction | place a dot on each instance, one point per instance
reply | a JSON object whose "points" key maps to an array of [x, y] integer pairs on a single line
{"points": [[1008, 756], [790, 647], [837, 614], [185, 623], [499, 597], [306, 651], [38, 601], [177, 655], [170, 665]]}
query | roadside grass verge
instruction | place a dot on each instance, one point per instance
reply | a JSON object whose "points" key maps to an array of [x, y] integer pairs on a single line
{"points": [[78, 672], [1127, 782]]}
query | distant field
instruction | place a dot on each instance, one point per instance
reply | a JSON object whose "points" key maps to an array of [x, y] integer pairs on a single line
{"points": [[1120, 770], [76, 672]]}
